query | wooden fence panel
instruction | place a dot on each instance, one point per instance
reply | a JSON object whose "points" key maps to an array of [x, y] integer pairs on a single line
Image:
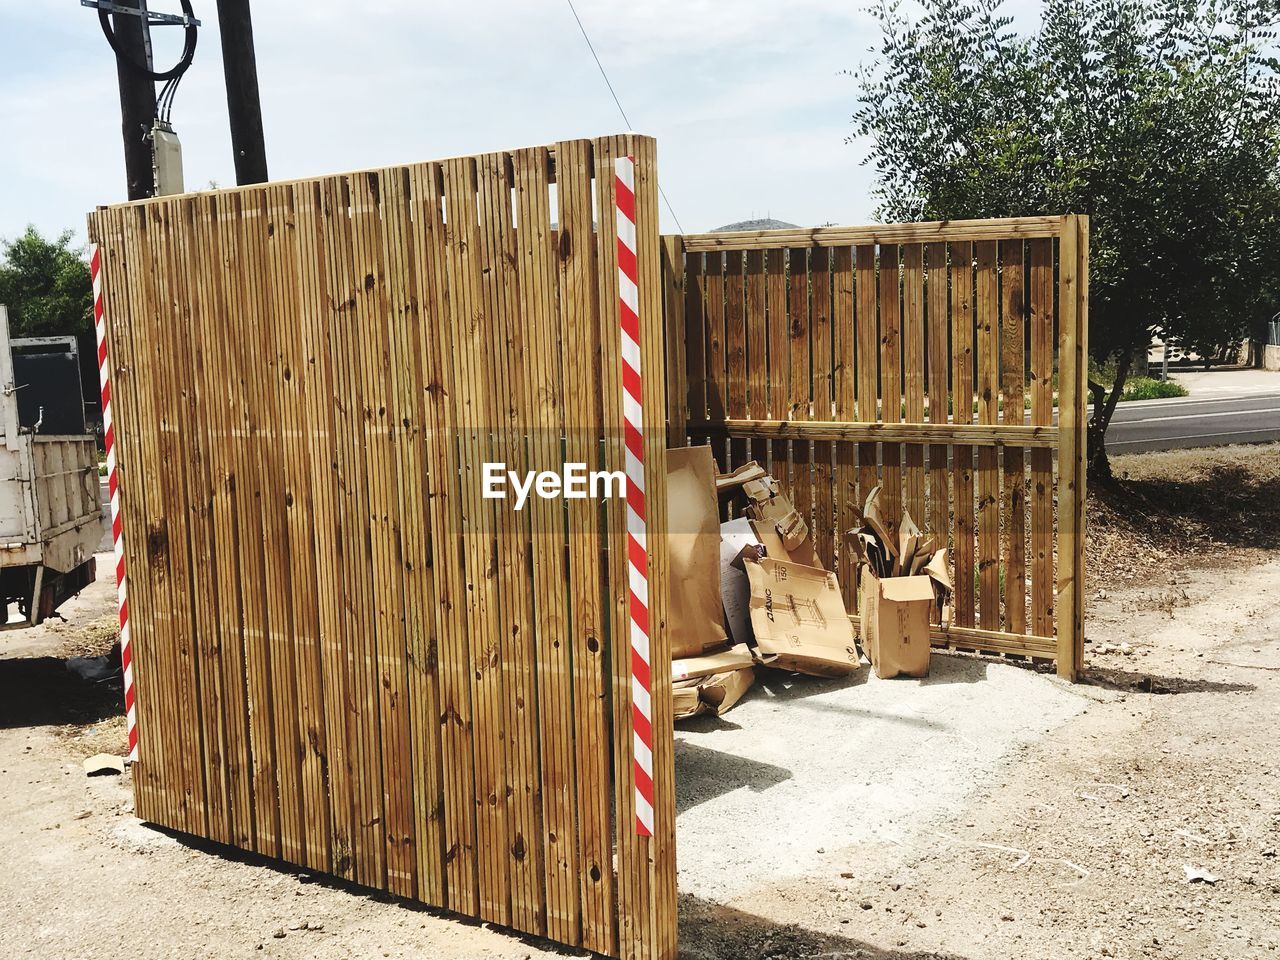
{"points": [[348, 656], [889, 339]]}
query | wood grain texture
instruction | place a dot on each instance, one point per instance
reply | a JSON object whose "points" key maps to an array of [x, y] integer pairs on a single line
{"points": [[931, 326], [348, 657]]}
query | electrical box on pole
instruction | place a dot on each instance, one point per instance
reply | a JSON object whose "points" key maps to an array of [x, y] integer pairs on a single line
{"points": [[153, 155]]}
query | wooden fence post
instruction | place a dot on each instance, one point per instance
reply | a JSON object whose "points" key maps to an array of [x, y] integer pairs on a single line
{"points": [[1073, 354]]}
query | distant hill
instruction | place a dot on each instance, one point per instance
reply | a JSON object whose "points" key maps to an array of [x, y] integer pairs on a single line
{"points": [[765, 224]]}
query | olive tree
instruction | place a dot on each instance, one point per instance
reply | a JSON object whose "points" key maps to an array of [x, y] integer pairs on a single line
{"points": [[1159, 119]]}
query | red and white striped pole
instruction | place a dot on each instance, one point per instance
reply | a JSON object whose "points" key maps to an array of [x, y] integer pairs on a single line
{"points": [[117, 538], [637, 542]]}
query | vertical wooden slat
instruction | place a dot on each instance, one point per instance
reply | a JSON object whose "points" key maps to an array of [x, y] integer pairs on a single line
{"points": [[673, 299], [173, 544], [891, 382], [988, 349], [846, 484], [444, 497], [1041, 257], [913, 374], [186, 356], [779, 346], [717, 374], [504, 377], [545, 396], [716, 350], [1073, 351], [735, 338], [823, 407], [1013, 389], [800, 406], [291, 382], [757, 349], [961, 256], [474, 412], [420, 832], [318, 376], [580, 336], [867, 359], [695, 342], [939, 351], [211, 374], [372, 612], [351, 515]]}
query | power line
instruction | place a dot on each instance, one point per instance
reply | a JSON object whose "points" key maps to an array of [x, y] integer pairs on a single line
{"points": [[613, 93]]}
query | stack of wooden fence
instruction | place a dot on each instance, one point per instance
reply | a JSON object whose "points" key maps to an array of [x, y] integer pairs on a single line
{"points": [[346, 657], [944, 362]]}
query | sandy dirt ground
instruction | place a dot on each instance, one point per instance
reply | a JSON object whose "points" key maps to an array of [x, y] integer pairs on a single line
{"points": [[1025, 819]]}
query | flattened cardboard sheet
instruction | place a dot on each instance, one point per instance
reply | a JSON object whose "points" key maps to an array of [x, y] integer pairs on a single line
{"points": [[799, 619]]}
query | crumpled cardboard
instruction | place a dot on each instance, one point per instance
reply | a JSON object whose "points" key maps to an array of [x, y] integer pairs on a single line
{"points": [[715, 694], [783, 531], [799, 618], [894, 616], [723, 661], [731, 484], [693, 541]]}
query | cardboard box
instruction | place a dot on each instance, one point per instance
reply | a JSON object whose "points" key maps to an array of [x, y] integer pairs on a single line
{"points": [[735, 589], [895, 623], [799, 619], [715, 694], [693, 522], [691, 668]]}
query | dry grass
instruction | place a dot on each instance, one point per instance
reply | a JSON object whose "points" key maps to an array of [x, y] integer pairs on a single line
{"points": [[1169, 509]]}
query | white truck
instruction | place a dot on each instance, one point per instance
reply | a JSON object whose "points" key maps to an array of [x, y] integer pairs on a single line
{"points": [[50, 510]]}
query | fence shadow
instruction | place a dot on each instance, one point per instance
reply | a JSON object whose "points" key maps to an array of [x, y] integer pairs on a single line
{"points": [[712, 931], [1111, 678], [703, 774]]}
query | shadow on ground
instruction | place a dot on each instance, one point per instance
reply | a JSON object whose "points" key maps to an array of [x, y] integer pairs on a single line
{"points": [[1179, 498], [1128, 680], [703, 774], [708, 930], [39, 691], [712, 931]]}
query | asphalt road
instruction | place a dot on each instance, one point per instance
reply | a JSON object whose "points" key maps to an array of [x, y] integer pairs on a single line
{"points": [[1194, 422]]}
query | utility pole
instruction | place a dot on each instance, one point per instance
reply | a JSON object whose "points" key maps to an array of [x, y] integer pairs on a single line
{"points": [[243, 106], [137, 101]]}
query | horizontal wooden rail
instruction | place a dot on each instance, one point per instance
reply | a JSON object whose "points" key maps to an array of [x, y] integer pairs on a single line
{"points": [[993, 641], [1020, 228], [996, 641], [969, 434]]}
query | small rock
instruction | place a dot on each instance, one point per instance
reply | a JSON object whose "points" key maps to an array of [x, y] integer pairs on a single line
{"points": [[865, 904], [279, 934], [1007, 917]]}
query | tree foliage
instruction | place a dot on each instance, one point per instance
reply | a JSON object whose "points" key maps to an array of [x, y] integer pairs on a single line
{"points": [[46, 286], [1158, 118]]}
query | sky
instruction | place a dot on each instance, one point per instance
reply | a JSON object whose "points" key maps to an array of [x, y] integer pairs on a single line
{"points": [[746, 97]]}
